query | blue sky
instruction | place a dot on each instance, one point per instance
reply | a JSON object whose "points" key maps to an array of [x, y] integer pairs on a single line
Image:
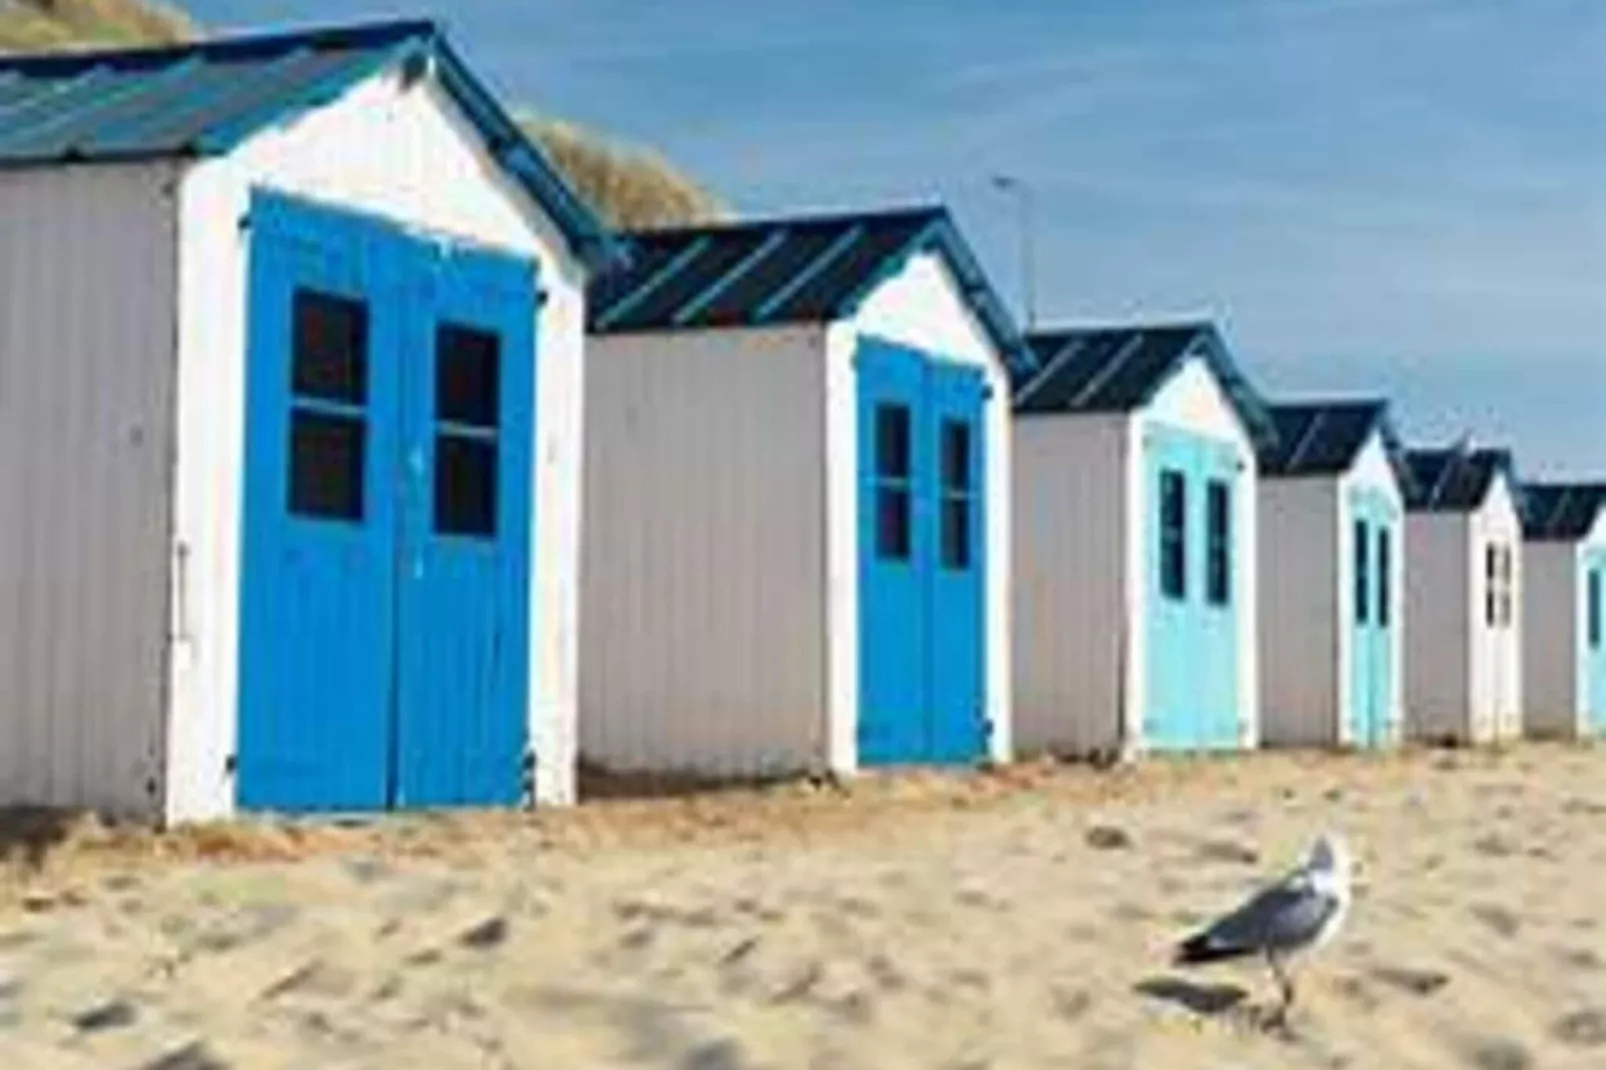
{"points": [[1396, 196]]}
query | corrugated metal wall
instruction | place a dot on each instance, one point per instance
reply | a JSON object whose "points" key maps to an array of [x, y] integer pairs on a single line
{"points": [[1550, 637], [1070, 591], [1438, 628], [87, 327], [703, 618], [1301, 608], [407, 154]]}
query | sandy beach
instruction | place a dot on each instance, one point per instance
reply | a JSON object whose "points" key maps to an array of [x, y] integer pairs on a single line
{"points": [[1011, 919]]}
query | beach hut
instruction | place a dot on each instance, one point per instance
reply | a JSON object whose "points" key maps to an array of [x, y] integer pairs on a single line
{"points": [[1463, 602], [1135, 531], [796, 500], [290, 335], [1332, 515], [1564, 573]]}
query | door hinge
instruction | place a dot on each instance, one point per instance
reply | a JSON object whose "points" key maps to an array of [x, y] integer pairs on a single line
{"points": [[231, 765], [542, 296]]}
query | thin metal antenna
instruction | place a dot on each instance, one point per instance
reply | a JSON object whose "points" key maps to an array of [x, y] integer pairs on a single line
{"points": [[1013, 184]]}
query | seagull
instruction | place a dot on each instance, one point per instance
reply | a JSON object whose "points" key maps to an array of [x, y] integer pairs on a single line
{"points": [[1298, 914]]}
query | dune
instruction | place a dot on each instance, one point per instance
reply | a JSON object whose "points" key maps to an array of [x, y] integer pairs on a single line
{"points": [[1020, 918]]}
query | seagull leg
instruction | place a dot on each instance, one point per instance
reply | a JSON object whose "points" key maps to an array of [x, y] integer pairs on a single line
{"points": [[1285, 988]]}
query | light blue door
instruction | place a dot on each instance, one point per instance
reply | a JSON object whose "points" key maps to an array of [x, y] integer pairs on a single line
{"points": [[922, 558], [1374, 523], [1193, 591], [1593, 668], [384, 587], [1216, 657]]}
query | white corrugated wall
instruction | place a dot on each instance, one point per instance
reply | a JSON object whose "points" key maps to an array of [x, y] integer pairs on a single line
{"points": [[1496, 669], [1070, 592], [1550, 637], [1302, 606], [703, 618], [405, 153], [87, 327], [1438, 625]]}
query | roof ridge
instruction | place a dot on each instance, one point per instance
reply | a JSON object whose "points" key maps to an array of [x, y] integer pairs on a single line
{"points": [[355, 33], [782, 219]]}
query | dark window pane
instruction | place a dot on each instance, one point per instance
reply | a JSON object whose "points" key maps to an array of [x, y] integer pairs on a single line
{"points": [[1363, 581], [465, 485], [1218, 507], [1385, 577], [467, 373], [956, 533], [1594, 609], [955, 455], [892, 526], [326, 466], [892, 441], [1173, 535], [1491, 583], [331, 348]]}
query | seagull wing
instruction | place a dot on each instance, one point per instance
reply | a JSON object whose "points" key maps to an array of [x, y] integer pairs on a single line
{"points": [[1284, 917]]}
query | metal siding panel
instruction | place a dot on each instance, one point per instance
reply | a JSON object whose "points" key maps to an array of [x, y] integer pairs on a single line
{"points": [[1069, 596], [1437, 625], [87, 300], [1300, 602], [704, 590]]}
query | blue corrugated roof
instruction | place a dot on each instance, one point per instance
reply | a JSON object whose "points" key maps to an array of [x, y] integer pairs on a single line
{"points": [[1120, 368], [1325, 436], [1561, 511], [204, 98], [1457, 478], [784, 270]]}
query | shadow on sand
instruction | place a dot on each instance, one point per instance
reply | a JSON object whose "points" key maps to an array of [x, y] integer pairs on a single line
{"points": [[1208, 1001]]}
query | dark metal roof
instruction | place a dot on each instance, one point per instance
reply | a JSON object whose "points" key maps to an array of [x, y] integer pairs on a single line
{"points": [[1561, 511], [783, 270], [204, 98], [1456, 479], [1119, 369], [1324, 437]]}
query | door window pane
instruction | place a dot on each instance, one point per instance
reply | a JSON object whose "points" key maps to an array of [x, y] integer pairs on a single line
{"points": [[955, 455], [1491, 585], [1594, 609], [467, 374], [1385, 577], [892, 442], [330, 348], [1363, 580], [1173, 535], [893, 537], [465, 485], [956, 533], [326, 466], [1218, 509]]}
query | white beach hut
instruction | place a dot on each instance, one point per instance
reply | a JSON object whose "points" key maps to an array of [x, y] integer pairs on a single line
{"points": [[796, 500], [1332, 515], [1463, 604], [1563, 630], [1135, 543], [290, 335]]}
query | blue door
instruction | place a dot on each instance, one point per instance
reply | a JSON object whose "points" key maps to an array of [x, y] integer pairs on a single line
{"points": [[1593, 668], [1193, 591], [1374, 522], [384, 586], [921, 558]]}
